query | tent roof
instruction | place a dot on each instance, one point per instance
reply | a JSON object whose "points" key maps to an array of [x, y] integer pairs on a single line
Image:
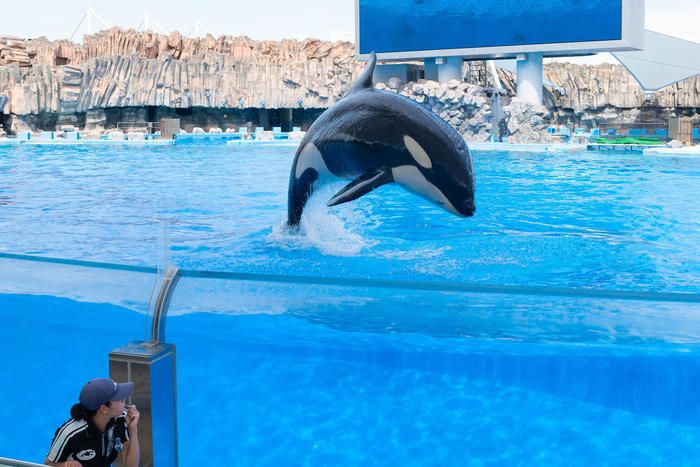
{"points": [[665, 60]]}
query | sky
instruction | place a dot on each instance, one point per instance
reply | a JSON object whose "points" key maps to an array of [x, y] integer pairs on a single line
{"points": [[264, 19]]}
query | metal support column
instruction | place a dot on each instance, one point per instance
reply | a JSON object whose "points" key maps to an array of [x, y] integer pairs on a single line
{"points": [[264, 117], [449, 68], [529, 86], [286, 119], [430, 69], [152, 369]]}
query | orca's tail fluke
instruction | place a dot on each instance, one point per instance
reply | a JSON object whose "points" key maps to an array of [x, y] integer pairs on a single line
{"points": [[300, 190]]}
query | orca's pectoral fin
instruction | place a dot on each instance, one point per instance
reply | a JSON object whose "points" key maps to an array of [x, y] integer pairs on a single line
{"points": [[361, 186]]}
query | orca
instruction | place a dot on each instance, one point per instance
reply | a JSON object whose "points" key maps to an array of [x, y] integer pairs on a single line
{"points": [[374, 137]]}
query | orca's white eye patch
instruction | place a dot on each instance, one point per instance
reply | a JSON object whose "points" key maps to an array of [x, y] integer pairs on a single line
{"points": [[417, 152]]}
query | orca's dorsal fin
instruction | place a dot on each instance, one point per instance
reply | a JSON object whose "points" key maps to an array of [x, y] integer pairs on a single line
{"points": [[362, 185], [365, 79]]}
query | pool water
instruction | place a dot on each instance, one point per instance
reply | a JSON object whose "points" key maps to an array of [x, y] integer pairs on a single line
{"points": [[274, 389], [582, 219], [275, 373]]}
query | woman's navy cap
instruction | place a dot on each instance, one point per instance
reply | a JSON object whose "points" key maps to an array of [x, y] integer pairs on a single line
{"points": [[102, 390]]}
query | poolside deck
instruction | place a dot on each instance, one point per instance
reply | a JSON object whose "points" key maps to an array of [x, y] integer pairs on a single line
{"points": [[553, 147], [656, 151], [67, 142], [647, 150], [622, 147]]}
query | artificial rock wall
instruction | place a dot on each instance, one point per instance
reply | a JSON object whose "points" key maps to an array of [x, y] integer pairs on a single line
{"points": [[44, 84], [608, 93], [47, 83]]}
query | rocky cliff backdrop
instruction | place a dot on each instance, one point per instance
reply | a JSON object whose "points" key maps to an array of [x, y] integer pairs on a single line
{"points": [[128, 76]]}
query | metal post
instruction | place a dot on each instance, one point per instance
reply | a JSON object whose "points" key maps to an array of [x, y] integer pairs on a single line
{"points": [[152, 369], [286, 119], [430, 68], [169, 127], [449, 68], [498, 129]]}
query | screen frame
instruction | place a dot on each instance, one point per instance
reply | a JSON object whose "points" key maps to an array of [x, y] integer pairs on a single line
{"points": [[632, 39]]}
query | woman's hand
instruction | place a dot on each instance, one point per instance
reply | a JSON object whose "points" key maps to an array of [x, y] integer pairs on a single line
{"points": [[132, 416], [131, 453]]}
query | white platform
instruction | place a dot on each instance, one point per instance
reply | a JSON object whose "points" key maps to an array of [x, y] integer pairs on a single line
{"points": [[686, 151]]}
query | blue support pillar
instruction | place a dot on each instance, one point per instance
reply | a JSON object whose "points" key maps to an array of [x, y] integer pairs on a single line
{"points": [[430, 69], [449, 68], [529, 87]]}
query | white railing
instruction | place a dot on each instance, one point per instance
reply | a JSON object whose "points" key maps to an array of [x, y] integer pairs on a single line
{"points": [[4, 462]]}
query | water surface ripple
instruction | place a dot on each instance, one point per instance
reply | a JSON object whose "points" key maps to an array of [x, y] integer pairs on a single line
{"points": [[586, 219]]}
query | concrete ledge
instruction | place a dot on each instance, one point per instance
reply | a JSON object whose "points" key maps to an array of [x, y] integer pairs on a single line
{"points": [[63, 142], [554, 147], [686, 151], [620, 147], [276, 142]]}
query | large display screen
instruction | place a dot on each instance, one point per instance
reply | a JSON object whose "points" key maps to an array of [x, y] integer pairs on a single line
{"points": [[420, 25]]}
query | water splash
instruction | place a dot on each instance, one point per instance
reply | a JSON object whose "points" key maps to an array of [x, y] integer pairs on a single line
{"points": [[334, 231]]}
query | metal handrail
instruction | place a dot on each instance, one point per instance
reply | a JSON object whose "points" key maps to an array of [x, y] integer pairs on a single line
{"points": [[5, 462], [623, 129], [160, 311], [151, 127]]}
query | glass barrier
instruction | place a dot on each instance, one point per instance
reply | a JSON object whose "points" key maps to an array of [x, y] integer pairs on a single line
{"points": [[4, 462], [121, 285], [317, 370]]}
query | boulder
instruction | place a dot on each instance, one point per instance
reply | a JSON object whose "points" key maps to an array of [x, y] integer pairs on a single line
{"points": [[136, 136], [264, 136], [115, 135], [394, 82], [90, 134]]}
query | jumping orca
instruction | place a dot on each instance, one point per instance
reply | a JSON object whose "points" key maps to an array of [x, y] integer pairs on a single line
{"points": [[375, 137]]}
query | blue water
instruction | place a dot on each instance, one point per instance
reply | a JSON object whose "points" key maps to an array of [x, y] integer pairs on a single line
{"points": [[274, 373], [601, 220], [275, 389]]}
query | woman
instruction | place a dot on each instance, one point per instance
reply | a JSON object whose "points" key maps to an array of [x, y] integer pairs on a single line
{"points": [[100, 428]]}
